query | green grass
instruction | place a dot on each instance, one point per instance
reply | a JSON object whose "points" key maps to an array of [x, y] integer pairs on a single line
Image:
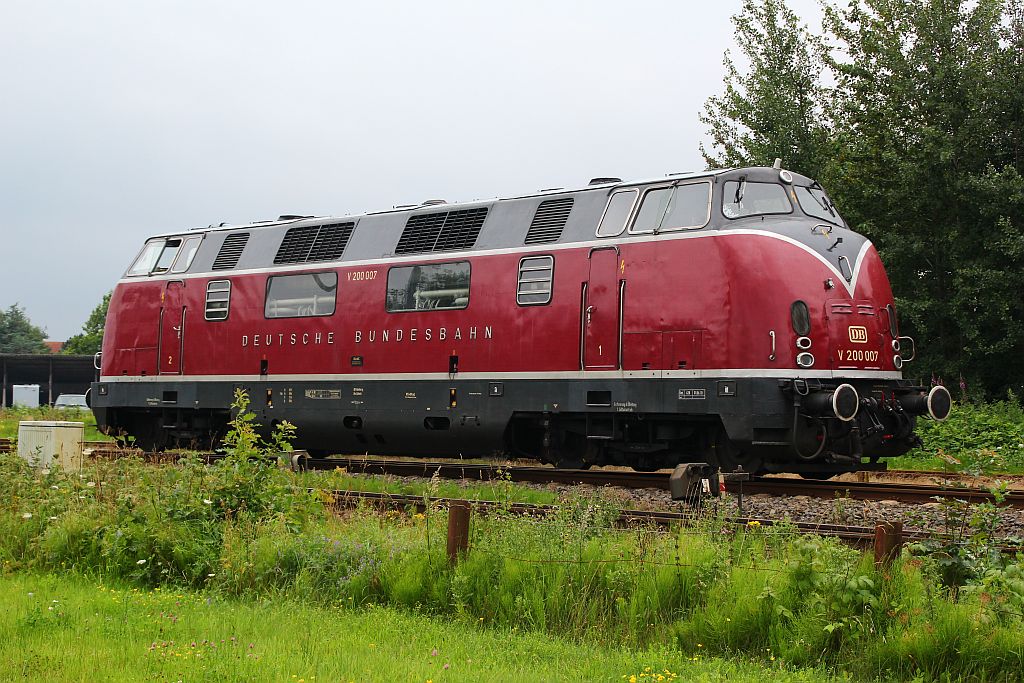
{"points": [[72, 629], [10, 417], [766, 595]]}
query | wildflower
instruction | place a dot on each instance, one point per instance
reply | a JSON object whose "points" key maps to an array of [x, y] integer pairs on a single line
{"points": [[446, 665], [90, 484], [753, 523], [55, 487], [27, 515], [207, 501], [141, 562], [45, 472], [433, 653]]}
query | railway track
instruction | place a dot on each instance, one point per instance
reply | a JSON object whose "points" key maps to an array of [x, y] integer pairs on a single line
{"points": [[907, 493], [779, 486], [854, 535]]}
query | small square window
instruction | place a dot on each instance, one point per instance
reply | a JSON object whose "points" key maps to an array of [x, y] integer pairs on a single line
{"points": [[218, 299], [535, 278]]}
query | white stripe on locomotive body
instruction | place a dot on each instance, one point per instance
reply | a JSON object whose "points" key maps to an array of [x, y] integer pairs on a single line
{"points": [[431, 257], [580, 375]]}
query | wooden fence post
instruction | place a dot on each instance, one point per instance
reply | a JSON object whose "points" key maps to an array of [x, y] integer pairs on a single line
{"points": [[458, 529], [888, 542]]}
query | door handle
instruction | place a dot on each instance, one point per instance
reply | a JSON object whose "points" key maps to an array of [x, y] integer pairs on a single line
{"points": [[590, 309]]}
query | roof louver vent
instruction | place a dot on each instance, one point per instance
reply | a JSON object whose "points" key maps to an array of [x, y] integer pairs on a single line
{"points": [[604, 181], [447, 231], [549, 221], [230, 251], [314, 243]]}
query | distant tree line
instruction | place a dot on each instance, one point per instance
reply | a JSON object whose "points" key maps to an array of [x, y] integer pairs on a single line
{"points": [[19, 335], [911, 113]]}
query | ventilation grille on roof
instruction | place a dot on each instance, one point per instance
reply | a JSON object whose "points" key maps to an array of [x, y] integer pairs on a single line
{"points": [[314, 243], [549, 221], [441, 231], [230, 251]]}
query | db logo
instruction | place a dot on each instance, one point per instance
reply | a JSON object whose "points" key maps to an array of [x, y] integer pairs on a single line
{"points": [[858, 334]]}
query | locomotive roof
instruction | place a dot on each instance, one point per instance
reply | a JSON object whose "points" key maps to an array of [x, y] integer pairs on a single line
{"points": [[441, 204], [433, 230]]}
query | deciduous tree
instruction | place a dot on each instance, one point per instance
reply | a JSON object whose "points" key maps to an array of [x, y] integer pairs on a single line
{"points": [[90, 339]]}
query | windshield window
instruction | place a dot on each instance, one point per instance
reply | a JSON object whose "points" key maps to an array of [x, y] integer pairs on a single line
{"points": [[744, 198], [816, 203], [147, 259]]}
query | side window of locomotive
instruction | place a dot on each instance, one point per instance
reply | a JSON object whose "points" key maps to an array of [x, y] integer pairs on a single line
{"points": [[683, 207], [742, 198], [218, 299], [535, 277], [652, 210], [428, 287], [146, 260], [167, 256], [301, 296], [186, 254], [613, 222]]}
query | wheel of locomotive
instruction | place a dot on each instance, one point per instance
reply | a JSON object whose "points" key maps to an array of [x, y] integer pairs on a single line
{"points": [[729, 457]]}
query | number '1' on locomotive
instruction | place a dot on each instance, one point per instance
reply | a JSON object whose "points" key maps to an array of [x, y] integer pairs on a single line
{"points": [[729, 317]]}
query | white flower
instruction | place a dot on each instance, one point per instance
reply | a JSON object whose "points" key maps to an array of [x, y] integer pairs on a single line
{"points": [[207, 502], [52, 518], [54, 487], [44, 472], [141, 562], [27, 515], [90, 484], [210, 576]]}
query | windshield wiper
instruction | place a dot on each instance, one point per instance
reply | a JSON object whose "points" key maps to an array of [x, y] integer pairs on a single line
{"points": [[823, 201], [740, 186]]}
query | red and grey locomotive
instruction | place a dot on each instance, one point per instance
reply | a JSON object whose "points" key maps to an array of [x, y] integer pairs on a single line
{"points": [[728, 317]]}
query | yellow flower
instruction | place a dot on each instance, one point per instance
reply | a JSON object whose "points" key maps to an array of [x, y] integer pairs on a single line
{"points": [[753, 522]]}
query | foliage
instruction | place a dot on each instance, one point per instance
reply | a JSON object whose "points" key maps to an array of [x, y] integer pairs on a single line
{"points": [[773, 110], [18, 334], [979, 438], [90, 339], [930, 167], [924, 121], [784, 598]]}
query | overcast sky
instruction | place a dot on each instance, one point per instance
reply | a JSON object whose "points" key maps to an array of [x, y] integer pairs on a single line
{"points": [[120, 119]]}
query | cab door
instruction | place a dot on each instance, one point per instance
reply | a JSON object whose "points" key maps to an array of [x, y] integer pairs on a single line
{"points": [[602, 311], [172, 328]]}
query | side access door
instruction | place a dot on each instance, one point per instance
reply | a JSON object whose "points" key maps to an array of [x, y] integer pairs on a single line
{"points": [[172, 328], [601, 313]]}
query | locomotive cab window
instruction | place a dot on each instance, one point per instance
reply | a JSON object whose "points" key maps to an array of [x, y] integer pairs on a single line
{"points": [[218, 299], [742, 198], [428, 287], [301, 296], [816, 204], [620, 206], [535, 275], [146, 261], [683, 207]]}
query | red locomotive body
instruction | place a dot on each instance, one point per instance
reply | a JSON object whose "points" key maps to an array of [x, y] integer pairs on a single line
{"points": [[728, 317]]}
